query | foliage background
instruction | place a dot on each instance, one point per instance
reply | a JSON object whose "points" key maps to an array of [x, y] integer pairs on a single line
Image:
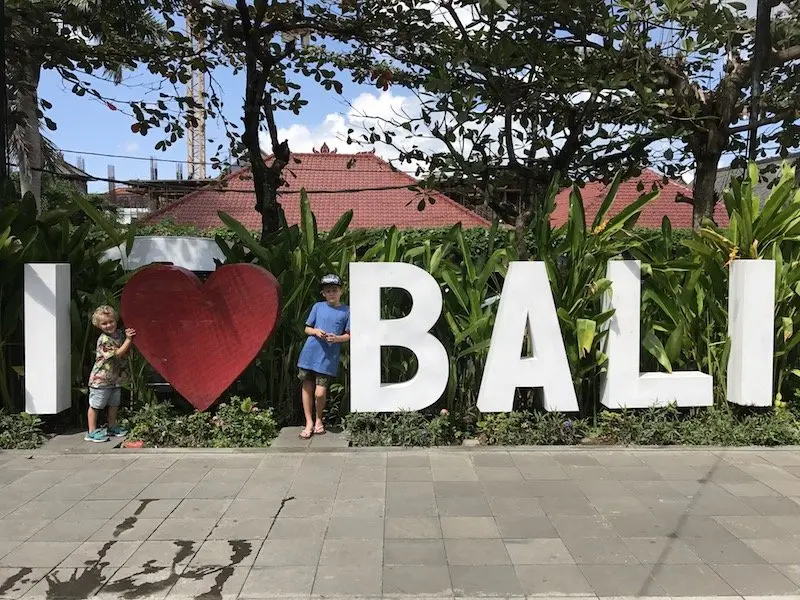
{"points": [[684, 305]]}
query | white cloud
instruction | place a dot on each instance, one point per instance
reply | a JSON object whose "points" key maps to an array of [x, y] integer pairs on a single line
{"points": [[131, 147]]}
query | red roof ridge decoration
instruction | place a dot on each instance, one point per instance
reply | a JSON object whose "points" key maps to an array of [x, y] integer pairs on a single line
{"points": [[328, 177], [673, 201]]}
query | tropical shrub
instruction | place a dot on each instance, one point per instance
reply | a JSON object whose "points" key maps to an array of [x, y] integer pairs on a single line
{"points": [[20, 431], [236, 423]]}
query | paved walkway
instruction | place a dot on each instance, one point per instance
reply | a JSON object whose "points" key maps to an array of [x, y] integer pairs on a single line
{"points": [[298, 524]]}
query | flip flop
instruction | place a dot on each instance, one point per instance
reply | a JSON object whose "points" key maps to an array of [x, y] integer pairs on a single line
{"points": [[305, 434], [319, 430]]}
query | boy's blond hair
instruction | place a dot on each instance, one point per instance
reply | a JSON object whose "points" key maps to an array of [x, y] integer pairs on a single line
{"points": [[103, 311]]}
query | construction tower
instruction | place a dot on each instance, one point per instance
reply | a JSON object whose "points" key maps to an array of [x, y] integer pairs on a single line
{"points": [[196, 134]]}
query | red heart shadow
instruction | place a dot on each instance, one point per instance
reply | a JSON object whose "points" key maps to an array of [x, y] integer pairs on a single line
{"points": [[201, 336]]}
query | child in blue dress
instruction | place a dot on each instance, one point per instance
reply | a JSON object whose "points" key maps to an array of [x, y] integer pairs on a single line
{"points": [[327, 328]]}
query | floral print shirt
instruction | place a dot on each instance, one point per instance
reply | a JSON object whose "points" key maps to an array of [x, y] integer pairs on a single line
{"points": [[108, 370]]}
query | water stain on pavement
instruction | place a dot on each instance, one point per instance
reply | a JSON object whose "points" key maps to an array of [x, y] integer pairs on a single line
{"points": [[18, 577]]}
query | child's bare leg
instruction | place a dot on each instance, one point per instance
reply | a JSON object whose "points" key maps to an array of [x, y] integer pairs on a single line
{"points": [[308, 404], [320, 396], [92, 418], [112, 416]]}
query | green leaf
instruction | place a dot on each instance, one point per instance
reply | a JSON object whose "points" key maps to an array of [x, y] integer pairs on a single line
{"points": [[608, 200], [654, 346], [96, 216], [586, 331], [787, 327]]}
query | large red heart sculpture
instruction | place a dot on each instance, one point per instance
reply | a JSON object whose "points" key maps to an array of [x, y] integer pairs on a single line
{"points": [[201, 336]]}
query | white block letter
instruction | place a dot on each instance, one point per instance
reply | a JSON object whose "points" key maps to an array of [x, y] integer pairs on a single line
{"points": [[369, 333], [624, 385], [751, 327], [526, 308], [47, 338]]}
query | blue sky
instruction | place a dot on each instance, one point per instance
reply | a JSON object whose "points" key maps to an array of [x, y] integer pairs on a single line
{"points": [[86, 124]]}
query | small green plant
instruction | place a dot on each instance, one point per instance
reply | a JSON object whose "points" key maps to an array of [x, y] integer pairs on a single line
{"points": [[531, 429], [238, 423], [404, 429], [20, 431]]}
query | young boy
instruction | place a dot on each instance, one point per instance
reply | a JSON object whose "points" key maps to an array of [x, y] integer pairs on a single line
{"points": [[327, 328], [108, 373]]}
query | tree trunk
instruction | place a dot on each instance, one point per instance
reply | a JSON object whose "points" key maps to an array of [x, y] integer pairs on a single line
{"points": [[29, 140], [703, 190]]}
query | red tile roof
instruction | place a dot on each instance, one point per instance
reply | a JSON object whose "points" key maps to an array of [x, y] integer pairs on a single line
{"points": [[679, 213], [318, 173]]}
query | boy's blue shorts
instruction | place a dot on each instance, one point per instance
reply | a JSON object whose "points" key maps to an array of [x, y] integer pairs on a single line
{"points": [[99, 398]]}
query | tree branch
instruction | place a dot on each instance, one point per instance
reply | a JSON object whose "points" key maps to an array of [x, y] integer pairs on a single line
{"points": [[792, 113]]}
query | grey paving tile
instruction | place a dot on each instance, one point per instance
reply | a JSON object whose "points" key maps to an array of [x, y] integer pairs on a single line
{"points": [[363, 474], [760, 580], [776, 551], [111, 554], [136, 475], [417, 580], [790, 571], [567, 505], [515, 507], [212, 489], [606, 550], [268, 582], [412, 528], [128, 529], [492, 459], [298, 528], [618, 505], [575, 458], [6, 547], [314, 488], [402, 474], [61, 530], [691, 580], [476, 552], [44, 555], [732, 552], [468, 506], [245, 508], [42, 510], [361, 489], [409, 490], [347, 581], [752, 489], [226, 553], [499, 474], [308, 507], [15, 582], [485, 580], [351, 552], [593, 526], [661, 551], [165, 489], [469, 527], [411, 507], [463, 474], [622, 580], [263, 491], [93, 509], [301, 552], [525, 527], [194, 508], [751, 527], [240, 529], [404, 459], [430, 552], [538, 552], [221, 582], [148, 508], [355, 528], [552, 580], [359, 507], [458, 489], [183, 529], [773, 505], [12, 530], [591, 472]]}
